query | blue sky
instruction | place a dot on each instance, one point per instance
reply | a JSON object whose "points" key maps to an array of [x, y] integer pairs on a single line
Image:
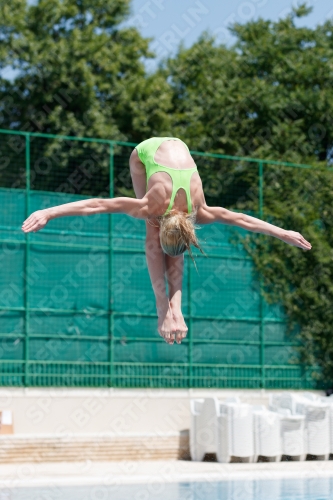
{"points": [[170, 22]]}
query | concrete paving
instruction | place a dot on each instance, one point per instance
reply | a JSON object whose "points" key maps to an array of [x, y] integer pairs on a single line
{"points": [[139, 472]]}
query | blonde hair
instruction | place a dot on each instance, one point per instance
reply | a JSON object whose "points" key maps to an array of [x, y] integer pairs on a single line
{"points": [[177, 233]]}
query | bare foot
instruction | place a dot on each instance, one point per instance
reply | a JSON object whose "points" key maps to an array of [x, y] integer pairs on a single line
{"points": [[171, 324], [166, 325], [181, 328]]}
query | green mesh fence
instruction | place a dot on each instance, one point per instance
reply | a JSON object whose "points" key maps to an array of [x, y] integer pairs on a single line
{"points": [[76, 303]]}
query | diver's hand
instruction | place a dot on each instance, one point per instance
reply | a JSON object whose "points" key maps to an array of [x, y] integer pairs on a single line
{"points": [[36, 221], [295, 239]]}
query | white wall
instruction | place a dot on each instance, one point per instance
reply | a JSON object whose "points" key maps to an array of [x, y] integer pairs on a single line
{"points": [[118, 411]]}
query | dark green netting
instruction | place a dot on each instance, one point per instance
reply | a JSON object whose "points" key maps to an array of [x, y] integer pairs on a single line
{"points": [[231, 330], [76, 167], [76, 303]]}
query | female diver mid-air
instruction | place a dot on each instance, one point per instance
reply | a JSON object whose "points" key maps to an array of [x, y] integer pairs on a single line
{"points": [[169, 197]]}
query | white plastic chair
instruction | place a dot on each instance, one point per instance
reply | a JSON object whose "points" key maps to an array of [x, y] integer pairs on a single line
{"points": [[267, 434], [235, 432], [225, 429], [317, 420], [329, 401], [203, 432], [232, 399], [273, 402], [317, 425], [293, 439], [310, 396]]}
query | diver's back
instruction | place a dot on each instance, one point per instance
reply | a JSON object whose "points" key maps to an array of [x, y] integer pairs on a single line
{"points": [[174, 154]]}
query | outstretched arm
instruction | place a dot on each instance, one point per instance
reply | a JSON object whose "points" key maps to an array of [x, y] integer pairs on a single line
{"points": [[130, 206], [209, 215]]}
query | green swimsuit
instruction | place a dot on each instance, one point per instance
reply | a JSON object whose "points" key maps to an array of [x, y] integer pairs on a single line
{"points": [[181, 178]]}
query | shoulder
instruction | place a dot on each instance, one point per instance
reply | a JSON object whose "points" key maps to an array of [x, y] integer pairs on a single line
{"points": [[209, 215], [203, 215]]}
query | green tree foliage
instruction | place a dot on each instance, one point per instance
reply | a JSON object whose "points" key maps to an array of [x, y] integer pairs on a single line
{"points": [[301, 200], [79, 72], [269, 96]]}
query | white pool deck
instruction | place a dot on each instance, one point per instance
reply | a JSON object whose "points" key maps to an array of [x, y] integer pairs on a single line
{"points": [[138, 472]]}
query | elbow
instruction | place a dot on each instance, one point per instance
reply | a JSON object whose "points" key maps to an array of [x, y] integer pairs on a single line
{"points": [[102, 205], [95, 206], [251, 224], [245, 222]]}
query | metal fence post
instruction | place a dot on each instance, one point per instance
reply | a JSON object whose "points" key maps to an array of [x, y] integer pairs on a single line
{"points": [[190, 332], [27, 263], [261, 299], [111, 315]]}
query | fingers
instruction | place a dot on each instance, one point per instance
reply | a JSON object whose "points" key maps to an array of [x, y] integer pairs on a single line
{"points": [[35, 222], [304, 244], [29, 224], [28, 228], [297, 240], [32, 225]]}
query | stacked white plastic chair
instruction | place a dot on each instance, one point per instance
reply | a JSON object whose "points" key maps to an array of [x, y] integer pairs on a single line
{"points": [[224, 428], [296, 425], [235, 430], [203, 432], [293, 435], [292, 427], [317, 420], [317, 424], [329, 401], [267, 434]]}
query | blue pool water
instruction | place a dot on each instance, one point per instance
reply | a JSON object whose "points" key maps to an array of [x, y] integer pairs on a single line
{"points": [[282, 489]]}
